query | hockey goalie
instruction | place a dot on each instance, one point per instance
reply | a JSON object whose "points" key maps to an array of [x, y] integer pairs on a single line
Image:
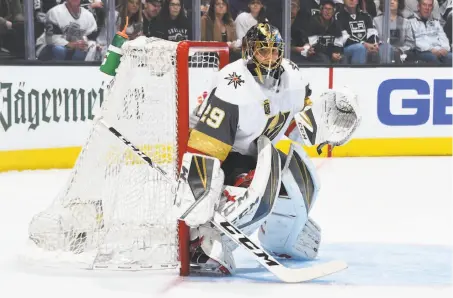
{"points": [[254, 104]]}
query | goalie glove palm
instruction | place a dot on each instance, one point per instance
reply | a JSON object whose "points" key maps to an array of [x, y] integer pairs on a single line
{"points": [[331, 119]]}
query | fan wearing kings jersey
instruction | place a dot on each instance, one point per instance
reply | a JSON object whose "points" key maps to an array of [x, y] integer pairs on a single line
{"points": [[232, 166]]}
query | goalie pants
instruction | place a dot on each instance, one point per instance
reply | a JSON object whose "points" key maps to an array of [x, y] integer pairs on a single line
{"points": [[236, 164]]}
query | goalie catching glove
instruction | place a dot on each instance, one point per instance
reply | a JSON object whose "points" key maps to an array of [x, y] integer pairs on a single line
{"points": [[329, 120]]}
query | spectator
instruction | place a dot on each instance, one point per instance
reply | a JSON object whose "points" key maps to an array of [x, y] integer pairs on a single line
{"points": [[11, 10], [359, 35], [308, 8], [133, 10], [324, 36], [172, 23], [295, 11], [41, 8], [70, 32], [447, 28], [151, 11], [411, 8], [217, 25], [397, 29], [427, 37], [12, 28], [299, 38], [255, 13]]}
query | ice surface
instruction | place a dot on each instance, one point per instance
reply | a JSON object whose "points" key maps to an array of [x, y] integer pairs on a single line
{"points": [[389, 218]]}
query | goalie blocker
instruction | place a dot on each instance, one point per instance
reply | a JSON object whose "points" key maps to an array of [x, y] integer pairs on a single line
{"points": [[285, 230]]}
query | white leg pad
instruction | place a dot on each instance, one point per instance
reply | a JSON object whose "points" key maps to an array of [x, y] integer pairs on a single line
{"points": [[213, 246], [285, 237], [288, 231]]}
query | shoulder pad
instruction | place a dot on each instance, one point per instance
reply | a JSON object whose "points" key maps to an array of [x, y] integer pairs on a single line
{"points": [[289, 65], [292, 76], [236, 85]]}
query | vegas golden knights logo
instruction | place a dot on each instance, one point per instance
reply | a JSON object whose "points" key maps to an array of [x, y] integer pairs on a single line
{"points": [[275, 124]]}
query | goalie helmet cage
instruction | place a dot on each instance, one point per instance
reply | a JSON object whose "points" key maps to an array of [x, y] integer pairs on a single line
{"points": [[115, 212]]}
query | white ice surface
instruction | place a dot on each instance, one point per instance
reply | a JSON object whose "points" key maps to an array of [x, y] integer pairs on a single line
{"points": [[389, 218]]}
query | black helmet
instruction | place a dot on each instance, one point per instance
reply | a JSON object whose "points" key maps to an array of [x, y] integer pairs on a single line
{"points": [[263, 36]]}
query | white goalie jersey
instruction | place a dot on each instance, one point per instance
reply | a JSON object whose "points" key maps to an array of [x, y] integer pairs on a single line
{"points": [[239, 110]]}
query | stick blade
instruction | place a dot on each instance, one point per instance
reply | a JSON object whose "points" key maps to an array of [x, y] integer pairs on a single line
{"points": [[297, 275]]}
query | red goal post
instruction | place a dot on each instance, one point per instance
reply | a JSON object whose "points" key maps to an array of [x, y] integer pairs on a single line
{"points": [[182, 54], [182, 68]]}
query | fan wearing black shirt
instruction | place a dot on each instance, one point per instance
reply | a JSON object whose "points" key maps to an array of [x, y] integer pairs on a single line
{"points": [[360, 38], [172, 23], [324, 35], [150, 12]]}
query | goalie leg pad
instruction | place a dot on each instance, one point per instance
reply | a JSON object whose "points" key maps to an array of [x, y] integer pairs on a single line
{"points": [[274, 237], [300, 178], [288, 231], [209, 254], [252, 205], [200, 187]]}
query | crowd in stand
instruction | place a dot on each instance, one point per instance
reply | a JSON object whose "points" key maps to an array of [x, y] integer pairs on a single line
{"points": [[322, 31]]}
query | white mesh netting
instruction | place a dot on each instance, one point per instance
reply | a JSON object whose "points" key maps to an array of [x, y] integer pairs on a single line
{"points": [[115, 211]]}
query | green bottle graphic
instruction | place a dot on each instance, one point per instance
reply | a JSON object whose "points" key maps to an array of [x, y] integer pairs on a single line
{"points": [[114, 53]]}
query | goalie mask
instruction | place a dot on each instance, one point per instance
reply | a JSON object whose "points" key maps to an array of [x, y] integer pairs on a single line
{"points": [[263, 48]]}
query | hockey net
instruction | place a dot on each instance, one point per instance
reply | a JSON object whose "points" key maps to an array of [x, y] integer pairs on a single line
{"points": [[115, 212]]}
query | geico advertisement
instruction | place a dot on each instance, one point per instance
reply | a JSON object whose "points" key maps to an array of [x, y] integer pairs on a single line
{"points": [[401, 102]]}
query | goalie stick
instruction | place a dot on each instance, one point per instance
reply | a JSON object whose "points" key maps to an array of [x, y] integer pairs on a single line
{"points": [[285, 274]]}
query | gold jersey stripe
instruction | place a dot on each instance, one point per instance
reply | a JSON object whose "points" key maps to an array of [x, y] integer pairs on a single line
{"points": [[209, 145]]}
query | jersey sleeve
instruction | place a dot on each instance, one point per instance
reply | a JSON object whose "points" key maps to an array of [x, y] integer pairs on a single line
{"points": [[91, 27], [215, 131], [371, 31], [54, 34]]}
